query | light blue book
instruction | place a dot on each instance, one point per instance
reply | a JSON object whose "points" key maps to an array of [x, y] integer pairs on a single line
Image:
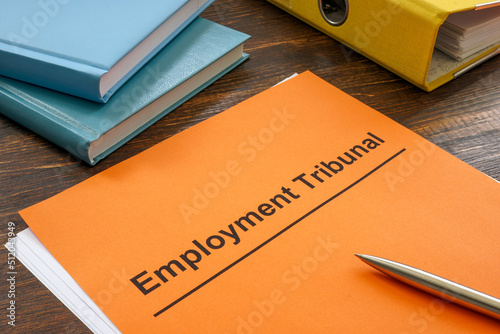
{"points": [[87, 48], [201, 54]]}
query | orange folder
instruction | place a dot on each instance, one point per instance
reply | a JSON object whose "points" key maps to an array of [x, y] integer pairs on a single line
{"points": [[248, 223]]}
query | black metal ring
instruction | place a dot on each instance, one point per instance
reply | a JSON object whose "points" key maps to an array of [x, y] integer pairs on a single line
{"points": [[334, 11]]}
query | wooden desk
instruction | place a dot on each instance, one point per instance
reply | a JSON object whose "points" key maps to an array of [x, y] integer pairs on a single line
{"points": [[462, 117]]}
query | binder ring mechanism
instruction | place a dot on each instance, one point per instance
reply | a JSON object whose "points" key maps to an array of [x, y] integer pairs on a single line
{"points": [[334, 11]]}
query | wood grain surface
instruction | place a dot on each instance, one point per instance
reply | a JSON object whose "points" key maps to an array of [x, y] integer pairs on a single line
{"points": [[462, 117]]}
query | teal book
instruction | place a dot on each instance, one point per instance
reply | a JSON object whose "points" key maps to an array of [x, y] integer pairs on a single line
{"points": [[87, 48], [201, 54]]}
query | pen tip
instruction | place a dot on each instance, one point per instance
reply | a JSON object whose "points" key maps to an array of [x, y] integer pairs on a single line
{"points": [[359, 255]]}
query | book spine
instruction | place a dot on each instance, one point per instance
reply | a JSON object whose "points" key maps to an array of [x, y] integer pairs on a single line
{"points": [[398, 35], [63, 75], [46, 121]]}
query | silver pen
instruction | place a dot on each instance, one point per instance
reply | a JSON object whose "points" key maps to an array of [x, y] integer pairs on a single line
{"points": [[436, 285]]}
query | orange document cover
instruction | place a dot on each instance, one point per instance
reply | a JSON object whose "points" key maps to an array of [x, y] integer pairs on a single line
{"points": [[248, 223]]}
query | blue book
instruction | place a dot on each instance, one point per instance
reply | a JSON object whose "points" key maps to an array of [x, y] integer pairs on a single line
{"points": [[201, 54], [87, 48]]}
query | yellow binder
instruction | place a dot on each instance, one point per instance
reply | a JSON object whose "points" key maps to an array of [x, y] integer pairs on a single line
{"points": [[397, 34]]}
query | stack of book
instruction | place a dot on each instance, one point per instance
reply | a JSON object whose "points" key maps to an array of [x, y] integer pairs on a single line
{"points": [[91, 75]]}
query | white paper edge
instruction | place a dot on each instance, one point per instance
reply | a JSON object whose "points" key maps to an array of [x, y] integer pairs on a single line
{"points": [[38, 260]]}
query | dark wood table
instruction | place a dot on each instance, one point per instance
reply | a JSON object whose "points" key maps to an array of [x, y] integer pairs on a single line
{"points": [[462, 117]]}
